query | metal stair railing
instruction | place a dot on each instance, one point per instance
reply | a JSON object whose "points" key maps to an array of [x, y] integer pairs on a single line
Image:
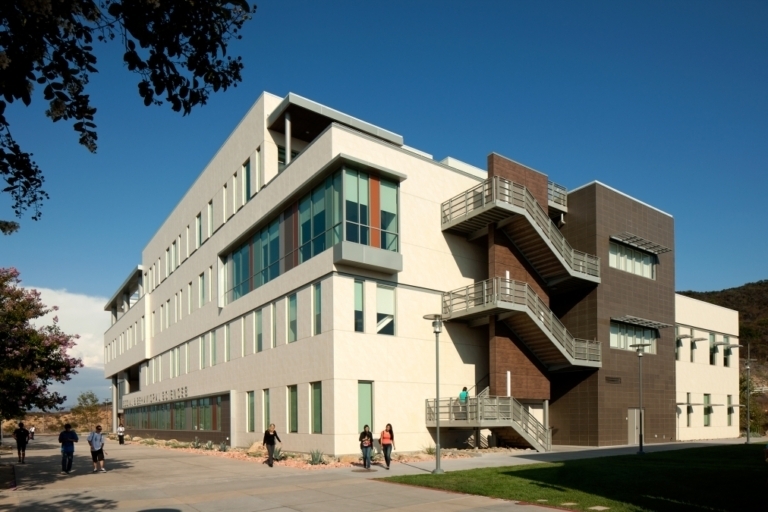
{"points": [[502, 189], [499, 409], [558, 194], [498, 289]]}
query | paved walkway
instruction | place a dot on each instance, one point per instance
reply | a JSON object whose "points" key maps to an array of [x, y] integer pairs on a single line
{"points": [[152, 479]]}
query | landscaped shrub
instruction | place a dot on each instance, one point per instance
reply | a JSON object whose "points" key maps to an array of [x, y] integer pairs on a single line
{"points": [[429, 450], [316, 457], [223, 446], [196, 444], [148, 442], [209, 445], [278, 453]]}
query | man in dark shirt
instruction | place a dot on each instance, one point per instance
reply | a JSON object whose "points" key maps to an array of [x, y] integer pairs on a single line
{"points": [[21, 435], [67, 438]]}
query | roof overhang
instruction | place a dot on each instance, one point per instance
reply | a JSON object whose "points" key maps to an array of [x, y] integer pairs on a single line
{"points": [[134, 274], [641, 243], [642, 322], [309, 119]]}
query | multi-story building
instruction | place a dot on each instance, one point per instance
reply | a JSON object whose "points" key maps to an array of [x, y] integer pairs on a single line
{"points": [[290, 283]]}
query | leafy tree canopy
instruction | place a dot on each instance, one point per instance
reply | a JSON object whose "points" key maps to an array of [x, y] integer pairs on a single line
{"points": [[177, 47], [87, 409], [31, 358]]}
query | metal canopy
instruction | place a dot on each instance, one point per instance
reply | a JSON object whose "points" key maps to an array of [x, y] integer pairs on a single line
{"points": [[683, 336], [640, 243], [642, 322]]}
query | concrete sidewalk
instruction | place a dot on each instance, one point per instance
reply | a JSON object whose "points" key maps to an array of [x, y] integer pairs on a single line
{"points": [[152, 479]]}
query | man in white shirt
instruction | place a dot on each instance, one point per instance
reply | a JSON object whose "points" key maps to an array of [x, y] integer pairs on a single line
{"points": [[121, 434], [96, 442]]}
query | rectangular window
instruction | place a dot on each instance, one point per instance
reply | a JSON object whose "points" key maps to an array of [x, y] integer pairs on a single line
{"points": [[210, 218], [162, 315], [359, 317], [678, 343], [227, 342], [167, 262], [265, 406], [729, 404], [273, 341], [707, 410], [389, 218], [693, 348], [317, 309], [712, 350], [201, 291], [246, 181], [688, 410], [203, 351], [186, 357], [281, 158], [726, 352], [258, 332], [198, 230], [224, 203], [142, 328], [292, 318], [250, 403], [213, 348], [189, 299], [623, 336], [293, 409], [174, 248], [632, 260], [385, 310], [167, 313], [317, 408]]}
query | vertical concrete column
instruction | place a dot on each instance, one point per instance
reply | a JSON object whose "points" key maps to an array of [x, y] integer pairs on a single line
{"points": [[237, 416], [287, 138], [546, 416], [114, 403]]}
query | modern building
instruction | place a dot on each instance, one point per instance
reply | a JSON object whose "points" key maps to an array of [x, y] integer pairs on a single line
{"points": [[290, 283]]}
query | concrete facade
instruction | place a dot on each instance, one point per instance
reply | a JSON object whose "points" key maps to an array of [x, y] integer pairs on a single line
{"points": [[190, 356]]}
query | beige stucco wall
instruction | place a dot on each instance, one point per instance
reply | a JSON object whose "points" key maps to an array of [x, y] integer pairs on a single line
{"points": [[698, 319]]}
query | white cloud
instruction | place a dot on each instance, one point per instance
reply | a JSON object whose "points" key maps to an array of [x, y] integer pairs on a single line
{"points": [[79, 314]]}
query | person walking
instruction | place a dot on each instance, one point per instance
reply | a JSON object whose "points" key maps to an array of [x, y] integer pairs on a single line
{"points": [[96, 442], [366, 444], [67, 438], [21, 435], [270, 435], [121, 434], [388, 443], [32, 433], [463, 402]]}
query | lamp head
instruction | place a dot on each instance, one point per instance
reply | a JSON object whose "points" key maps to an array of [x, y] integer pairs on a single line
{"points": [[437, 322]]}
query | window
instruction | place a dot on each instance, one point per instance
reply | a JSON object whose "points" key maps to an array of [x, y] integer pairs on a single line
{"points": [[210, 218], [186, 357], [246, 174], [293, 409], [388, 216], [707, 410], [688, 410], [258, 332], [198, 230], [142, 328], [273, 341], [678, 343], [726, 352], [632, 260], [203, 355], [162, 315], [281, 158], [363, 225], [265, 405], [167, 313], [712, 350], [385, 310], [729, 404], [317, 309], [623, 335], [224, 203], [292, 318], [213, 348], [201, 290], [250, 407], [359, 318], [317, 407], [227, 342], [693, 347], [189, 298]]}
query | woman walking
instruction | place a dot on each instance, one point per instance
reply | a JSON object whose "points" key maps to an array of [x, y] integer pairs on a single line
{"points": [[366, 444], [269, 442], [388, 443]]}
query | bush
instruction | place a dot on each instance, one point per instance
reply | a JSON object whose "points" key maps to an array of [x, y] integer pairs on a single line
{"points": [[209, 445], [278, 454], [148, 442], [223, 446], [196, 444], [429, 450], [316, 457]]}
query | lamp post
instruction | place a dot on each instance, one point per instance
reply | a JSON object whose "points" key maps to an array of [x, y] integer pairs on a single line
{"points": [[640, 347], [749, 395], [437, 326]]}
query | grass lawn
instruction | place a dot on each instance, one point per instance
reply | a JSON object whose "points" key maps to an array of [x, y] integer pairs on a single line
{"points": [[731, 478]]}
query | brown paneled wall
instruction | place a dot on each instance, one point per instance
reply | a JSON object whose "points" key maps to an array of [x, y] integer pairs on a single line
{"points": [[535, 181], [529, 379], [503, 256]]}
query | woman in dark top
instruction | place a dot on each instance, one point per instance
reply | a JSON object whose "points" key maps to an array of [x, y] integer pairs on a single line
{"points": [[269, 441], [366, 444]]}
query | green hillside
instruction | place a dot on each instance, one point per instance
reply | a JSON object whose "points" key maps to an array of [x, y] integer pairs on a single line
{"points": [[751, 300]]}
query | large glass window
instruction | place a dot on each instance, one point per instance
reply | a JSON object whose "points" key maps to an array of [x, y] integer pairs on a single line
{"points": [[281, 158], [265, 405], [213, 348], [258, 330], [292, 318], [632, 260], [317, 308], [250, 402], [389, 218], [317, 408], [293, 409], [624, 335], [385, 310], [359, 318]]}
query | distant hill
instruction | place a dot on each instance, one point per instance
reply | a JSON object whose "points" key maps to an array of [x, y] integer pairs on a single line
{"points": [[751, 300]]}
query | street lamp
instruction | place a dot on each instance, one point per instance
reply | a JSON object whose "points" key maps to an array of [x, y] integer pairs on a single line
{"points": [[749, 395], [640, 348], [437, 326]]}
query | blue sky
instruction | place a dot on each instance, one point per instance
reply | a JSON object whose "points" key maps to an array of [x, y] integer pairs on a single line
{"points": [[666, 101]]}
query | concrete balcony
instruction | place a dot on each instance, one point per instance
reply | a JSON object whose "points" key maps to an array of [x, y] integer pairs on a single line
{"points": [[518, 305]]}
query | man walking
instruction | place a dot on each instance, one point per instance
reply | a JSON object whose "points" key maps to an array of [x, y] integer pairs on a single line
{"points": [[121, 434], [67, 438], [21, 435], [96, 442]]}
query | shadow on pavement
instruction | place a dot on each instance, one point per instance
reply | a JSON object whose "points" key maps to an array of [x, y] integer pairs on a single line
{"points": [[69, 501]]}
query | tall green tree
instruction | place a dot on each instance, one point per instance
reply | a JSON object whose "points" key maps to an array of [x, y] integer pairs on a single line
{"points": [[87, 410], [178, 48], [756, 413], [32, 358]]}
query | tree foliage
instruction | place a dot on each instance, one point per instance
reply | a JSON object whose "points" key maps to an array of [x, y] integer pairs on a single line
{"points": [[757, 420], [177, 47], [31, 358], [87, 409]]}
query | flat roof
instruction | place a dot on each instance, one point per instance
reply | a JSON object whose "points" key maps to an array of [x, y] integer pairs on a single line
{"points": [[293, 101], [596, 182]]}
